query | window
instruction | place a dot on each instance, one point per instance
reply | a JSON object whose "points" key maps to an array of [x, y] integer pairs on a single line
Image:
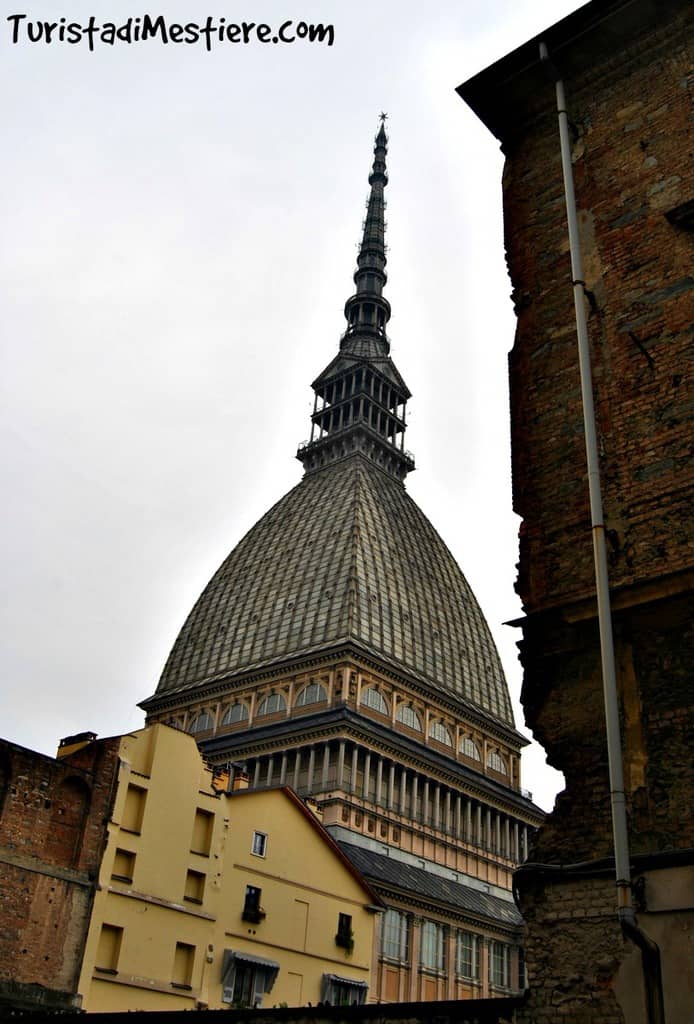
{"points": [[134, 809], [123, 866], [468, 748], [371, 698], [314, 693], [246, 978], [343, 991], [202, 833], [108, 950], [201, 722], [252, 911], [440, 733], [522, 972], [195, 886], [394, 935], [433, 939], [467, 955], [345, 935], [236, 713], [182, 973], [409, 717], [272, 704], [259, 844], [243, 991], [496, 762], [500, 965]]}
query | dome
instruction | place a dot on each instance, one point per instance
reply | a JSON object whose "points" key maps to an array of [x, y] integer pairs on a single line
{"points": [[345, 558]]}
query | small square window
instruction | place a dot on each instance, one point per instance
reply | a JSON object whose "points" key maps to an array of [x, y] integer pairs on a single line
{"points": [[123, 866], [108, 950], [202, 832], [195, 886], [182, 972], [259, 846]]}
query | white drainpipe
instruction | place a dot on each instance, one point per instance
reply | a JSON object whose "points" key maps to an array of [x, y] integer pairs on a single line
{"points": [[625, 910]]}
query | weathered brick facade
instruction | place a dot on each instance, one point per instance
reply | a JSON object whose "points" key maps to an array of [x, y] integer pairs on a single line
{"points": [[627, 69], [53, 816]]}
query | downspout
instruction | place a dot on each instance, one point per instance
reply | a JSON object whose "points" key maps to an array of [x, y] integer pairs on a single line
{"points": [[650, 952]]}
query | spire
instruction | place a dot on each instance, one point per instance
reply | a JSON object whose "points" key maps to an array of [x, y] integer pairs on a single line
{"points": [[367, 311], [360, 397]]}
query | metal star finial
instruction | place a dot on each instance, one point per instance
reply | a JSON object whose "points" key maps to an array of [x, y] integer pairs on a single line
{"points": [[383, 117]]}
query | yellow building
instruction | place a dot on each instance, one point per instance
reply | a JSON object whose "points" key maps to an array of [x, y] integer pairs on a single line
{"points": [[215, 898]]}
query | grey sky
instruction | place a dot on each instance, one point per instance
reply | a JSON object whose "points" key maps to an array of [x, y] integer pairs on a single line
{"points": [[180, 232]]}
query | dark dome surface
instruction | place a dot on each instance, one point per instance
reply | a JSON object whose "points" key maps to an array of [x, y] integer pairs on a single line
{"points": [[346, 555]]}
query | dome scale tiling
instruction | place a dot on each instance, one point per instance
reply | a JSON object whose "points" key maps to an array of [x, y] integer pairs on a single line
{"points": [[347, 557]]}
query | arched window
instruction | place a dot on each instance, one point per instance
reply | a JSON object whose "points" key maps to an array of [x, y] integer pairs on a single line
{"points": [[371, 698], [496, 762], [469, 748], [409, 717], [235, 713], [440, 733], [201, 722], [272, 704], [314, 693]]}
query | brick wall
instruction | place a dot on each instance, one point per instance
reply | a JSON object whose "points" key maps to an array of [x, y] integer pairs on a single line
{"points": [[627, 69], [53, 818], [632, 158]]}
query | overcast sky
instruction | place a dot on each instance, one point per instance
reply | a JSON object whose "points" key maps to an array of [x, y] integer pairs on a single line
{"points": [[180, 231]]}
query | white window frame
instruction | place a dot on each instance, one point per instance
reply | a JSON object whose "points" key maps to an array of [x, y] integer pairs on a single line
{"points": [[314, 693], [433, 946], [229, 719], [407, 711], [259, 844], [440, 732], [468, 748], [500, 965], [471, 942], [207, 717], [272, 698], [372, 698]]}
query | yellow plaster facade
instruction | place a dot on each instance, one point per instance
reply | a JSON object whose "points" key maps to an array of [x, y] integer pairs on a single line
{"points": [[211, 898]]}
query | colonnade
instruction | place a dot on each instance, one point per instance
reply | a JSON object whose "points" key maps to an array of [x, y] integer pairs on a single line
{"points": [[347, 767], [375, 401]]}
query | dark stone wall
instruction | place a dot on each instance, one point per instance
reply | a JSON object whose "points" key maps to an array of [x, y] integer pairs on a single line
{"points": [[632, 157], [53, 817], [629, 105]]}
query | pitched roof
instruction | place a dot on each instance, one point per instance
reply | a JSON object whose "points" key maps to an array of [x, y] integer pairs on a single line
{"points": [[393, 873]]}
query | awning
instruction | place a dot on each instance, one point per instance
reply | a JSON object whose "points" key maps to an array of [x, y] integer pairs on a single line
{"points": [[248, 958], [266, 972], [335, 988], [346, 981]]}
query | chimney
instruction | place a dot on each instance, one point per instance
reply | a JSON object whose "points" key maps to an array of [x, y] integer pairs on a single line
{"points": [[69, 744]]}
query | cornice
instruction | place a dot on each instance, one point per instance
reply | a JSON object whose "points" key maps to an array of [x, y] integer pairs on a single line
{"points": [[402, 749], [388, 893], [354, 655]]}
